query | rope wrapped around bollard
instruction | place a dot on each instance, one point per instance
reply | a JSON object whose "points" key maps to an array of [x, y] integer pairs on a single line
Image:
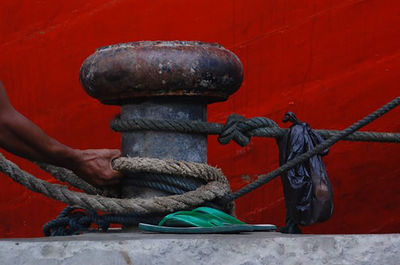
{"points": [[216, 187], [239, 129]]}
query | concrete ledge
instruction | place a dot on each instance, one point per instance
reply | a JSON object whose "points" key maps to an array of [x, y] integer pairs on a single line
{"points": [[247, 249]]}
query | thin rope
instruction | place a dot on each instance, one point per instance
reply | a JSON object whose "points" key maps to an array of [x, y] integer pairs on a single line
{"points": [[216, 187], [240, 131], [74, 220], [263, 179]]}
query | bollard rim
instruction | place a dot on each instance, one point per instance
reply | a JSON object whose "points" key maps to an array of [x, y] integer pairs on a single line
{"points": [[127, 72]]}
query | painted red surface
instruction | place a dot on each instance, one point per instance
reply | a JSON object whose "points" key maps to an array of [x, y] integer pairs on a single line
{"points": [[331, 62]]}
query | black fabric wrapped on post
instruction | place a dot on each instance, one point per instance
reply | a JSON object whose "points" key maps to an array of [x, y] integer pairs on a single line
{"points": [[307, 189]]}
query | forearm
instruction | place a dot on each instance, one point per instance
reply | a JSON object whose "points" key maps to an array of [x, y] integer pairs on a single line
{"points": [[20, 136]]}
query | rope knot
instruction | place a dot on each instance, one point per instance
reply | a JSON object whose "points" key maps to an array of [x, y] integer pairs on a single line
{"points": [[239, 129], [73, 220]]}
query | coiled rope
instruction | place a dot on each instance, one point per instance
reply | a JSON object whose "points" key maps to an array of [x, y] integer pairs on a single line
{"points": [[216, 187]]}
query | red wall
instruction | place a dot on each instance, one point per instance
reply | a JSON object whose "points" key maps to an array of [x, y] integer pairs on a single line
{"points": [[331, 62]]}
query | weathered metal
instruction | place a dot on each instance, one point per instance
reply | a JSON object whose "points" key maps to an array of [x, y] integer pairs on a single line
{"points": [[164, 145], [126, 72], [162, 80]]}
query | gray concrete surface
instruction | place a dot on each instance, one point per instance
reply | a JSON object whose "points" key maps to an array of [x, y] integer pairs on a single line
{"points": [[246, 249]]}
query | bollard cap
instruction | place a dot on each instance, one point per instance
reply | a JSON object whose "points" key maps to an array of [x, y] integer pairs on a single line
{"points": [[127, 72]]}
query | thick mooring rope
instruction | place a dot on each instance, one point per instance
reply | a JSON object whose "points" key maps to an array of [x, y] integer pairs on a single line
{"points": [[216, 187], [66, 175]]}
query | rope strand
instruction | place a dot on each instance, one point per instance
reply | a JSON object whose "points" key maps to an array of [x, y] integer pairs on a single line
{"points": [[191, 195], [263, 179], [258, 126]]}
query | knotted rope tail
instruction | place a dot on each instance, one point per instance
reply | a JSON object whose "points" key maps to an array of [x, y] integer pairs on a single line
{"points": [[75, 220], [263, 179]]}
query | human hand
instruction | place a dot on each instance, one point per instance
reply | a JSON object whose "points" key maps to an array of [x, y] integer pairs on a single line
{"points": [[94, 166]]}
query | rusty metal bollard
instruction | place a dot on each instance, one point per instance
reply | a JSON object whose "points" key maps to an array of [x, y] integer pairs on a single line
{"points": [[161, 80]]}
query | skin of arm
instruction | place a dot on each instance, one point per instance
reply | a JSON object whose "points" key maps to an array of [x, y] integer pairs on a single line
{"points": [[20, 136]]}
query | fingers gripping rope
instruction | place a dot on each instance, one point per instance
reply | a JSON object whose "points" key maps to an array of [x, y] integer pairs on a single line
{"points": [[217, 186]]}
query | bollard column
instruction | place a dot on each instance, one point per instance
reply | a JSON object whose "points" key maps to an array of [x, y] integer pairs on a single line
{"points": [[161, 80]]}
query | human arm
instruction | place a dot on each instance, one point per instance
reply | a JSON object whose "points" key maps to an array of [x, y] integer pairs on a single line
{"points": [[20, 136]]}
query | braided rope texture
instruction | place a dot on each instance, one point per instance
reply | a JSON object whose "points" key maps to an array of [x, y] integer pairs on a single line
{"points": [[74, 220], [239, 129], [164, 182], [217, 187], [65, 175], [263, 179]]}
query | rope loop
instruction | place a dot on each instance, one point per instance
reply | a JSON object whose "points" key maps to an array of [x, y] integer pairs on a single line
{"points": [[238, 128], [72, 221], [217, 186]]}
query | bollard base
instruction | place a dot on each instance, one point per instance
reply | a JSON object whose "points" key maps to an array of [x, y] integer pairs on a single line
{"points": [[251, 248]]}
